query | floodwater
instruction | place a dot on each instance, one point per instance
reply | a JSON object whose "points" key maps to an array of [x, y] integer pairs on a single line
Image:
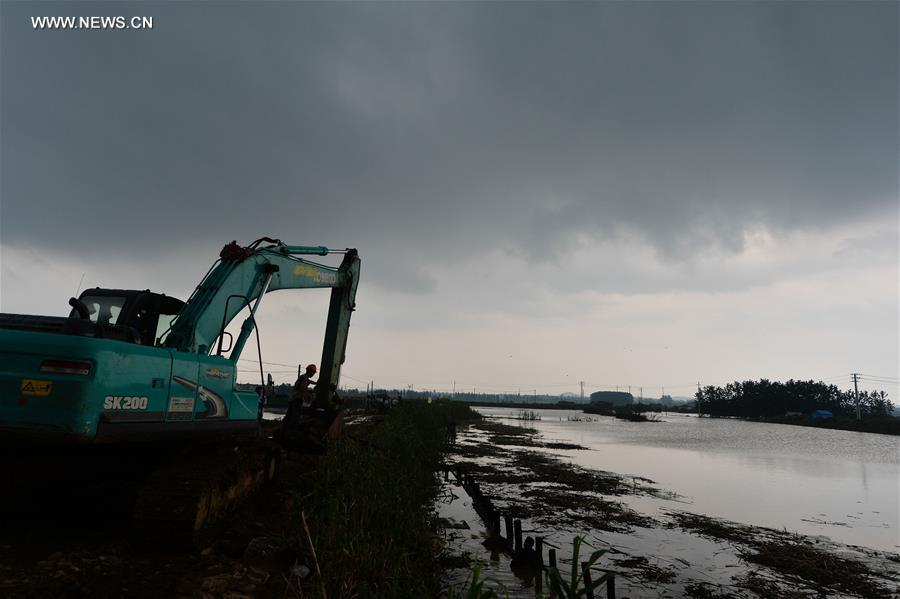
{"points": [[823, 483], [840, 484]]}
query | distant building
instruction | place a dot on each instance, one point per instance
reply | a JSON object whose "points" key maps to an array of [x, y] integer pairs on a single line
{"points": [[611, 398]]}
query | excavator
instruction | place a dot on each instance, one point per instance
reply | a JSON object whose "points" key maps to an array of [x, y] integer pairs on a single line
{"points": [[135, 376]]}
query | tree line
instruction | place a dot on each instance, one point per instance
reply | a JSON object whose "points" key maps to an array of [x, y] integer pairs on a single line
{"points": [[764, 398]]}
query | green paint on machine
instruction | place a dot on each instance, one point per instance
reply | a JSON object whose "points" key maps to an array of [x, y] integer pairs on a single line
{"points": [[128, 362]]}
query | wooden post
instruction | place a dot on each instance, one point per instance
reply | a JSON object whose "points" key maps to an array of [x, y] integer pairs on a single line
{"points": [[508, 521], [539, 548], [611, 586], [518, 531], [586, 573], [551, 555], [495, 524]]}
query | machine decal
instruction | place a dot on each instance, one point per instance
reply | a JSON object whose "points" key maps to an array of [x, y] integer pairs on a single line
{"points": [[35, 388], [124, 402], [319, 276], [218, 373], [213, 402], [181, 408]]}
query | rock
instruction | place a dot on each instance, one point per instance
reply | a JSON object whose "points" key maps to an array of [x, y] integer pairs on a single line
{"points": [[208, 552], [216, 569], [245, 587], [257, 576], [56, 556], [451, 523], [300, 571], [218, 583], [270, 553]]}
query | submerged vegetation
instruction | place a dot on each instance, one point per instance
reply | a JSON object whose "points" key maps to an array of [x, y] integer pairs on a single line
{"points": [[583, 580], [555, 498], [795, 557]]}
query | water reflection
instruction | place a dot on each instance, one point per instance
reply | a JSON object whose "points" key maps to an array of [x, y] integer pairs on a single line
{"points": [[842, 484]]}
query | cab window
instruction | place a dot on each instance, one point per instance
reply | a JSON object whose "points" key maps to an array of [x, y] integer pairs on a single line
{"points": [[104, 309]]}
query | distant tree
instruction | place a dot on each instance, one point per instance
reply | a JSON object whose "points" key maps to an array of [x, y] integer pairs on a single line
{"points": [[764, 398]]}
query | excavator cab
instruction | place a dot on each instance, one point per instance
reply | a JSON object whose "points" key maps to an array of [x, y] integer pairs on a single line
{"points": [[143, 316]]}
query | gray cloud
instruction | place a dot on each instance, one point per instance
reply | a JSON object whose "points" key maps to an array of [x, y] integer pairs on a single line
{"points": [[428, 133]]}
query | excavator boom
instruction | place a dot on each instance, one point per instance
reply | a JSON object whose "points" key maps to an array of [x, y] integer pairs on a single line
{"points": [[112, 371]]}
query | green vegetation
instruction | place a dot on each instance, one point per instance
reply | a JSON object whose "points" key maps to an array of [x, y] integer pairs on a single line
{"points": [[477, 588], [371, 524], [794, 401], [576, 586], [570, 586]]}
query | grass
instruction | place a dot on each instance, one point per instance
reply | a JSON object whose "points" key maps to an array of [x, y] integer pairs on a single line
{"points": [[371, 523], [571, 585]]}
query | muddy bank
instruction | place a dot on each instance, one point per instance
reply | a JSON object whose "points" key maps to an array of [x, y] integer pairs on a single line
{"points": [[540, 486], [345, 521], [822, 567], [656, 547]]}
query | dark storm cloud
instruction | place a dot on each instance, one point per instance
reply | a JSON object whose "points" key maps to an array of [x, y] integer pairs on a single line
{"points": [[422, 132]]}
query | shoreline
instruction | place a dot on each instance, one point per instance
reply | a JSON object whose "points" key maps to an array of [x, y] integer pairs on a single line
{"points": [[525, 478]]}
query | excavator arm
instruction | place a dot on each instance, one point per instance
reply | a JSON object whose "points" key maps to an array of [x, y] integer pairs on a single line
{"points": [[243, 275]]}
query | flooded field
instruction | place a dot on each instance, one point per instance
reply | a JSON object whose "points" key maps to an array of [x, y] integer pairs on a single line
{"points": [[689, 506]]}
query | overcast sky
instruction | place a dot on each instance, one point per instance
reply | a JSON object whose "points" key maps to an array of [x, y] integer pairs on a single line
{"points": [[640, 194]]}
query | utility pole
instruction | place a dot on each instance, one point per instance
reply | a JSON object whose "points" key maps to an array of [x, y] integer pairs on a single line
{"points": [[855, 376], [642, 395], [582, 391], [454, 388]]}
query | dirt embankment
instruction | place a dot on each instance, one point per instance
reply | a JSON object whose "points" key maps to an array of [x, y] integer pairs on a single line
{"points": [[354, 522], [85, 546]]}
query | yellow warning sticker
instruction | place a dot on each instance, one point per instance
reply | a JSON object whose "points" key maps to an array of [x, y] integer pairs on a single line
{"points": [[35, 387]]}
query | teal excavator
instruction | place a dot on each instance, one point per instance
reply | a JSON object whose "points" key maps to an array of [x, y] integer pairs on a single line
{"points": [[130, 370]]}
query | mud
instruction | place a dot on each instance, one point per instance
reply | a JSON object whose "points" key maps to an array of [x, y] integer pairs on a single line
{"points": [[85, 547], [660, 551], [813, 562]]}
